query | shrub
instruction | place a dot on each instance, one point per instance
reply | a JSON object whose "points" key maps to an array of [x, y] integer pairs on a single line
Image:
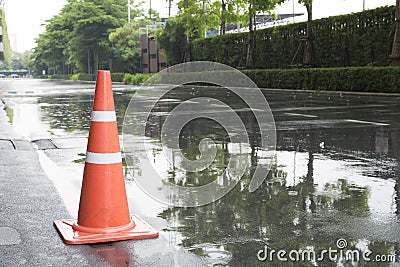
{"points": [[360, 79], [117, 76], [87, 77], [137, 78], [75, 77], [83, 77], [60, 76]]}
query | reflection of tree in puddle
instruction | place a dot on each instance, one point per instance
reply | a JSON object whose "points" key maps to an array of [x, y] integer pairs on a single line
{"points": [[191, 135], [71, 113], [279, 214], [345, 197]]}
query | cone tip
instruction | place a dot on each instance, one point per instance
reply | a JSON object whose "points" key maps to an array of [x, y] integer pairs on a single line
{"points": [[103, 74], [103, 71]]}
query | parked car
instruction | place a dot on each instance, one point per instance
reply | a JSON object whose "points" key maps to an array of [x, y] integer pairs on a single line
{"points": [[14, 76], [2, 76]]}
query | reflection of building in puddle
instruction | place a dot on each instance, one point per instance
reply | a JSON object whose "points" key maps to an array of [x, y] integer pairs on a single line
{"points": [[156, 119], [114, 254]]}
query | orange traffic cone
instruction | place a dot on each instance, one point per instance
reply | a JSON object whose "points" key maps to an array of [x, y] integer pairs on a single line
{"points": [[103, 208]]}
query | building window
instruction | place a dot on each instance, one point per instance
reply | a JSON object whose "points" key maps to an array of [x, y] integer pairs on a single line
{"points": [[163, 65], [145, 66], [153, 55], [144, 50]]}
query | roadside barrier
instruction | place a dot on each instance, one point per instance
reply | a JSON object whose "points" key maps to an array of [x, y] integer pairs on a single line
{"points": [[103, 214]]}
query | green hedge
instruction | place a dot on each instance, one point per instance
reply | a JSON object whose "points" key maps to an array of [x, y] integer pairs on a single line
{"points": [[359, 39], [117, 76], [137, 78], [60, 76], [354, 79], [83, 77]]}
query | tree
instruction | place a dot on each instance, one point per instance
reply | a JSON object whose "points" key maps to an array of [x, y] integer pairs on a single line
{"points": [[196, 17], [255, 6], [395, 55], [89, 46], [18, 61], [49, 53], [126, 47], [173, 40], [78, 36]]}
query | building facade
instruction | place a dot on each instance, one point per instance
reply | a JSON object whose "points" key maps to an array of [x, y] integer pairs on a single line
{"points": [[152, 58]]}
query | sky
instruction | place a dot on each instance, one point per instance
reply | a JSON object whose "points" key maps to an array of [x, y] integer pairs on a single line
{"points": [[25, 18]]}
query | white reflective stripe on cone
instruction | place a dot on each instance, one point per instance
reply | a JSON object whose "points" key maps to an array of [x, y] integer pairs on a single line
{"points": [[103, 158], [104, 116]]}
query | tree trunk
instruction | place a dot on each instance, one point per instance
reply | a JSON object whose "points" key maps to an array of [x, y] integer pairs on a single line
{"points": [[223, 18], [88, 61], [394, 57], [187, 55], [308, 59], [95, 61], [250, 41]]}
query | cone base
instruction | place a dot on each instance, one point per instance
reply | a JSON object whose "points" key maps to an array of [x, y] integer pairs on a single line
{"points": [[141, 230]]}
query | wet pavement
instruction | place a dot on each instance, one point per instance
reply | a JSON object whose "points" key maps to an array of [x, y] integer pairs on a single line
{"points": [[335, 177]]}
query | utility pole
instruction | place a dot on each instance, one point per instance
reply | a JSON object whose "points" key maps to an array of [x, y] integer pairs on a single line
{"points": [[363, 5]]}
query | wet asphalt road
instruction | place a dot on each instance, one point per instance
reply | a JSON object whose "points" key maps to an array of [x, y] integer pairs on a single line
{"points": [[41, 181]]}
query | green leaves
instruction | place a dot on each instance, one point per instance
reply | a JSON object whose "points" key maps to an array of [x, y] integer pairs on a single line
{"points": [[125, 43], [78, 36], [197, 17], [92, 34], [173, 40], [359, 39]]}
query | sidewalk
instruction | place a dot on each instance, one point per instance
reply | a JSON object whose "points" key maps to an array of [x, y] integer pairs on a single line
{"points": [[29, 203]]}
